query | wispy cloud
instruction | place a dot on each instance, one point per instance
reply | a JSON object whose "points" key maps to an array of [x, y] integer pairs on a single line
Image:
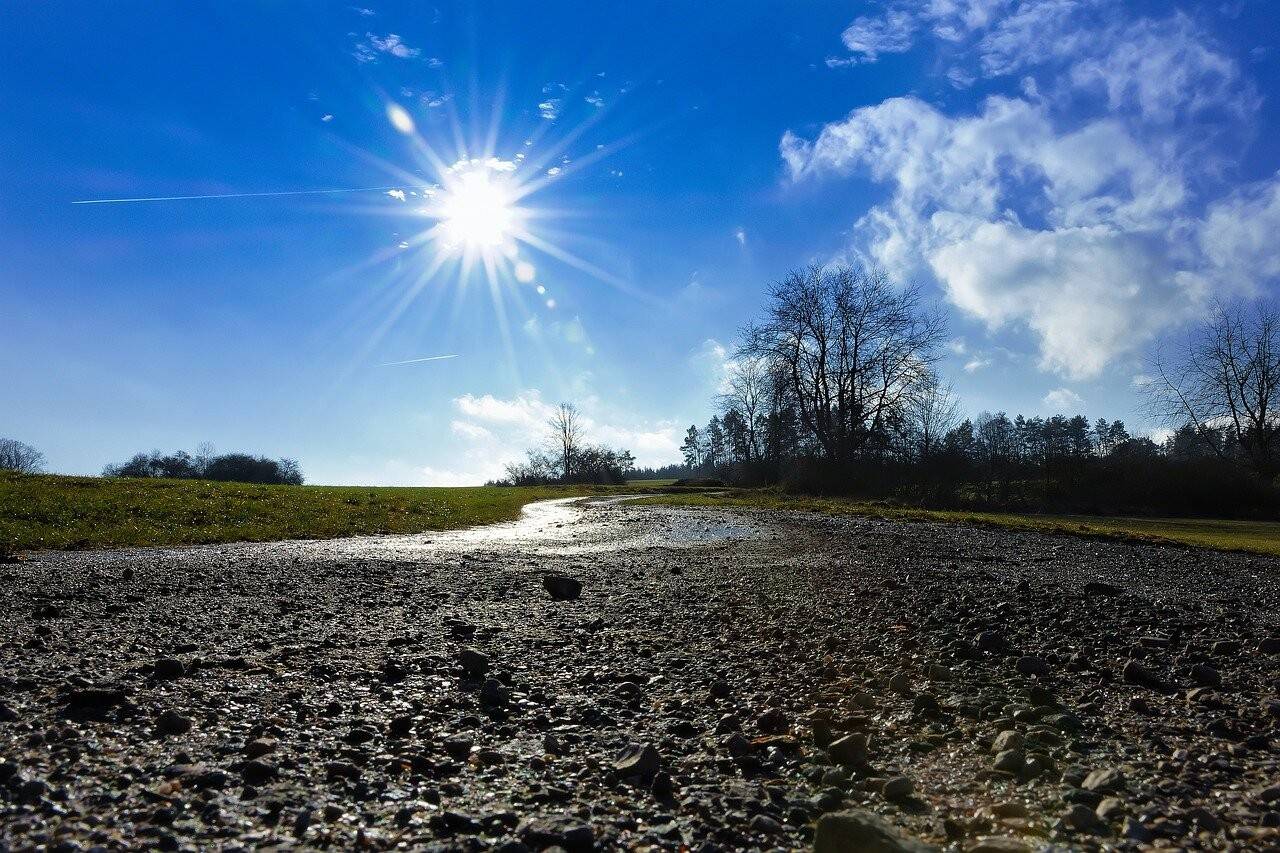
{"points": [[391, 44]]}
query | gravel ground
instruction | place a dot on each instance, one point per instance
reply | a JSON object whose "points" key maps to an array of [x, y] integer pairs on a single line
{"points": [[721, 681]]}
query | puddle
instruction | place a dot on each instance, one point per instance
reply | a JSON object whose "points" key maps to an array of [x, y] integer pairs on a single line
{"points": [[577, 525]]}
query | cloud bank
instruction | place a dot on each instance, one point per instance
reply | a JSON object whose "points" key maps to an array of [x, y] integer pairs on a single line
{"points": [[1082, 198]]}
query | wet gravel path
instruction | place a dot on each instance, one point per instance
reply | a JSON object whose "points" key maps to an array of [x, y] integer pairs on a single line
{"points": [[722, 680]]}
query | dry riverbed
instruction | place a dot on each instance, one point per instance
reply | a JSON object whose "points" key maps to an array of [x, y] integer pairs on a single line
{"points": [[720, 680]]}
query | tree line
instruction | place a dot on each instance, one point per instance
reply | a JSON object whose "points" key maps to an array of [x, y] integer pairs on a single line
{"points": [[833, 389], [204, 464]]}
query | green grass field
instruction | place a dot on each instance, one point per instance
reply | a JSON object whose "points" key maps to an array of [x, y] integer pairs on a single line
{"points": [[38, 512], [1258, 537]]}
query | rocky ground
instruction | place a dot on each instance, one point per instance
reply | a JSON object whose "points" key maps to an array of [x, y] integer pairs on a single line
{"points": [[720, 681]]}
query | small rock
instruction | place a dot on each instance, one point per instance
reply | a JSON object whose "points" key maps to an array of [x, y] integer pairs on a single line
{"points": [[1106, 781], [849, 750], [1007, 740], [457, 747], [494, 693], [858, 831], [167, 669], [637, 759], [173, 723], [562, 587], [1031, 665], [258, 772], [897, 788], [473, 663], [1082, 819], [259, 747], [991, 641], [997, 844], [1010, 761], [94, 698], [1205, 675], [765, 825], [1110, 808]]}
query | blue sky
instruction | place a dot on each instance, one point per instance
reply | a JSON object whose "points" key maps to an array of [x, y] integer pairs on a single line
{"points": [[1070, 179]]}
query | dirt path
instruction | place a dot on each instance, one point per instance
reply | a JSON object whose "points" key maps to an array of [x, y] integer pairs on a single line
{"points": [[429, 690]]}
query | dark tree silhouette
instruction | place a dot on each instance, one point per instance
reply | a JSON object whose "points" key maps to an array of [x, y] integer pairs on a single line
{"points": [[20, 457]]}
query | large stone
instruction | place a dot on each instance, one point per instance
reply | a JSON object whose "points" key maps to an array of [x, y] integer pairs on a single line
{"points": [[1032, 665], [167, 669], [474, 663], [638, 759], [562, 587], [849, 750], [1106, 781], [858, 831]]}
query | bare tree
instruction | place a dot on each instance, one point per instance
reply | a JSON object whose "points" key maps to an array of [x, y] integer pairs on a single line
{"points": [[932, 412], [1227, 379], [851, 346], [20, 457], [566, 435], [746, 392]]}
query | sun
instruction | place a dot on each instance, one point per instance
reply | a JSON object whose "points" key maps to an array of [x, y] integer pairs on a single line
{"points": [[475, 210]]}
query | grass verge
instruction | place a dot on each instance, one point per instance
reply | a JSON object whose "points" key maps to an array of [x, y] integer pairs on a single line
{"points": [[1257, 537], [44, 511]]}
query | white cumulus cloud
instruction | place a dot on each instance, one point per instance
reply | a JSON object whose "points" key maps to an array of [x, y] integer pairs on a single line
{"points": [[1094, 227]]}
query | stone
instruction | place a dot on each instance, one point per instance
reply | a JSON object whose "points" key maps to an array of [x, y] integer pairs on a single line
{"points": [[1007, 740], [640, 760], [1010, 761], [1105, 781], [562, 587], [1082, 819], [897, 788], [901, 683], [473, 663], [997, 844], [167, 669], [764, 825], [458, 747], [257, 772], [94, 698], [858, 831], [494, 693], [1011, 809], [849, 750], [259, 747], [991, 641], [1269, 646], [1030, 665], [1110, 808], [172, 723], [1205, 676]]}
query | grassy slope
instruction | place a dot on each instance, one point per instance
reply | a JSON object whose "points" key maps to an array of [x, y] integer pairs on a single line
{"points": [[86, 512], [1259, 537]]}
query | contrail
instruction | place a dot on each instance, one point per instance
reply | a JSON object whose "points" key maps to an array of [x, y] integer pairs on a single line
{"points": [[234, 195], [417, 360]]}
